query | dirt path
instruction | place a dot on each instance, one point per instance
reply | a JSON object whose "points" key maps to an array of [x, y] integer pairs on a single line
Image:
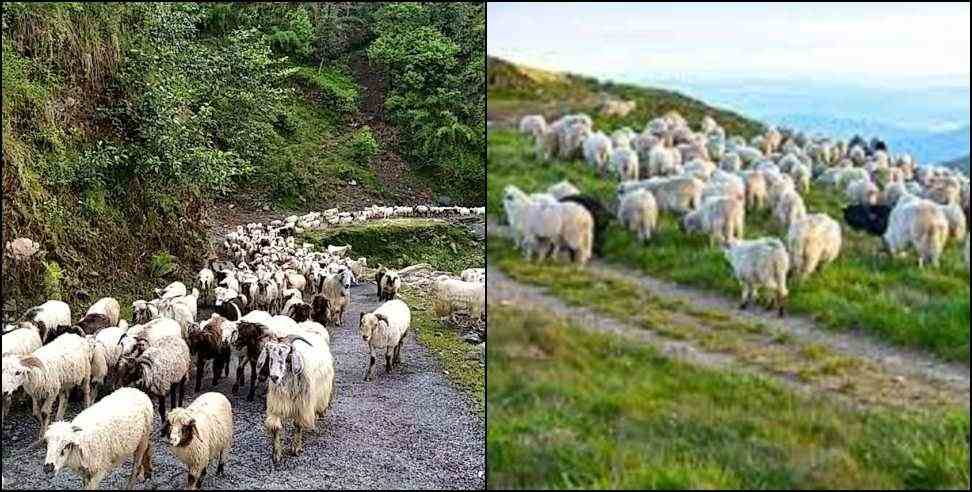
{"points": [[392, 171], [898, 376]]}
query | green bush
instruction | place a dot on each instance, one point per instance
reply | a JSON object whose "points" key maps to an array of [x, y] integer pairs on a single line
{"points": [[52, 280], [363, 145], [337, 89], [162, 264]]}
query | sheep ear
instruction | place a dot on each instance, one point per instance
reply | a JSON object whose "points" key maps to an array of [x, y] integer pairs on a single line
{"points": [[296, 363], [32, 362], [262, 359], [381, 317], [361, 319]]}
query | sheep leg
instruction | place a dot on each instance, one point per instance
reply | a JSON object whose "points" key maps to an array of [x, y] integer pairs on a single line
{"points": [[147, 460], [200, 367], [398, 351], [217, 371], [172, 395], [253, 380], [162, 407], [746, 298], [297, 443], [94, 481], [62, 404], [138, 461], [388, 363], [182, 391], [240, 368], [86, 388], [371, 366], [222, 462]]}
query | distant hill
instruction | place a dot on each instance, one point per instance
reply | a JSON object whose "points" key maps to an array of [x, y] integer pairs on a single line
{"points": [[515, 90], [960, 164]]}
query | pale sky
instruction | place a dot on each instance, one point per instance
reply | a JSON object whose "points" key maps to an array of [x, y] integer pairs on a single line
{"points": [[828, 41]]}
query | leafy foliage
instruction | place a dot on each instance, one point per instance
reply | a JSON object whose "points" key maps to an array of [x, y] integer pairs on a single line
{"points": [[433, 56]]}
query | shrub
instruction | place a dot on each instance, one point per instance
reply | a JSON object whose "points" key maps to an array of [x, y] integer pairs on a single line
{"points": [[162, 264], [363, 146], [52, 280]]}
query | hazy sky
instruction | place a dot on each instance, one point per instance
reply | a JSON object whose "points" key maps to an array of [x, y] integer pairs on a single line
{"points": [[878, 42]]}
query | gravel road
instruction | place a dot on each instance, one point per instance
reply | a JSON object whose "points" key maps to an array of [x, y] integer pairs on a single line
{"points": [[409, 429]]}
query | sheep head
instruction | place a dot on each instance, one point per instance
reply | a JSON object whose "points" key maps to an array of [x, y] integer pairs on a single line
{"points": [[179, 427], [63, 447], [369, 323], [15, 371]]}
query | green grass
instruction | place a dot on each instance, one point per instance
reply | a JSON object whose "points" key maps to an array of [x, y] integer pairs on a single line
{"points": [[334, 87], [569, 409], [398, 243], [889, 298], [467, 375]]}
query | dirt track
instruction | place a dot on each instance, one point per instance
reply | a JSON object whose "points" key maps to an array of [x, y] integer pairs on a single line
{"points": [[408, 429]]}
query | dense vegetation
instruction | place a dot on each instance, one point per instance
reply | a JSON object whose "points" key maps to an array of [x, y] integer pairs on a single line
{"points": [[121, 122]]}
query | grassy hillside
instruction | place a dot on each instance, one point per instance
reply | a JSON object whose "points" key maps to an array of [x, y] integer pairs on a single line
{"points": [[571, 409], [890, 299], [513, 91], [123, 124]]}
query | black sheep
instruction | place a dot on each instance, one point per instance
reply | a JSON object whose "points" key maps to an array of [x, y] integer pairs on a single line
{"points": [[872, 219], [598, 213]]}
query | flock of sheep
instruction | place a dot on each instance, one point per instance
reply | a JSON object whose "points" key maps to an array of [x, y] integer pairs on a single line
{"points": [[260, 313], [709, 182]]}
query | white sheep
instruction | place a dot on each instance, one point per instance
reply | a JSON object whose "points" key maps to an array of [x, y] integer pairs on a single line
{"points": [[102, 437], [624, 162], [533, 124], [815, 240], [918, 224], [679, 195], [801, 174], [199, 434], [451, 295], [384, 330], [756, 190], [760, 264], [638, 212], [663, 161], [723, 218], [49, 374], [175, 289], [106, 351], [956, 221], [597, 151], [206, 280], [301, 388], [19, 341], [107, 307], [562, 190], [473, 275], [143, 312], [555, 227], [862, 192], [182, 309], [789, 208]]}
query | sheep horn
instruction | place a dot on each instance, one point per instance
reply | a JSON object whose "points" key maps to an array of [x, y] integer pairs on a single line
{"points": [[292, 338]]}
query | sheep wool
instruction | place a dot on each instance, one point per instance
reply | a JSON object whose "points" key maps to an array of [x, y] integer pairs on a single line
{"points": [[597, 151], [919, 224], [562, 189], [760, 264], [49, 374], [201, 433], [624, 162], [638, 212], [533, 124], [789, 208], [722, 218], [814, 240], [452, 295], [384, 330], [102, 437]]}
